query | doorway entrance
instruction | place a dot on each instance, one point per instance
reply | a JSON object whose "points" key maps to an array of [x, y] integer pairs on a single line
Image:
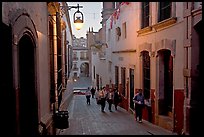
{"points": [[131, 88], [28, 108], [165, 82]]}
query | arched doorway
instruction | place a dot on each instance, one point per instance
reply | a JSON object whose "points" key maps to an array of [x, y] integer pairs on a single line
{"points": [[84, 69], [28, 107]]}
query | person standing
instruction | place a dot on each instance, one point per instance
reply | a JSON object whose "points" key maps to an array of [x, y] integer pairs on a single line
{"points": [[102, 98], [116, 98], [88, 96], [93, 92], [110, 96], [138, 99]]}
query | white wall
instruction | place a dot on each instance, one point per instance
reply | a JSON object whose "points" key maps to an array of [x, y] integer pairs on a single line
{"points": [[131, 15]]}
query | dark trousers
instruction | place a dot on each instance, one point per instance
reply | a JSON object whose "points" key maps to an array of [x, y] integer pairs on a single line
{"points": [[116, 104], [110, 102], [88, 99], [138, 111], [103, 104], [92, 95]]}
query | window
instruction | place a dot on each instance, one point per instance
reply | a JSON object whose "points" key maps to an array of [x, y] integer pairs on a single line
{"points": [[164, 10], [124, 33], [75, 66], [118, 33], [75, 56], [145, 14], [82, 54]]}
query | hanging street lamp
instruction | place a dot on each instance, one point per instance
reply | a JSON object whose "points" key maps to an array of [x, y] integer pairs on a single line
{"points": [[78, 16]]}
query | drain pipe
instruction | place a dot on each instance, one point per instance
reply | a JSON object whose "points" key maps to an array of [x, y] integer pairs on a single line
{"points": [[55, 60]]}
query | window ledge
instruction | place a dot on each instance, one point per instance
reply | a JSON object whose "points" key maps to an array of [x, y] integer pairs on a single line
{"points": [[165, 23], [125, 51], [159, 26], [144, 30], [197, 11]]}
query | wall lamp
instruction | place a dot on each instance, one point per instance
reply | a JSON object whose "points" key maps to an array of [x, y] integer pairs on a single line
{"points": [[78, 16]]}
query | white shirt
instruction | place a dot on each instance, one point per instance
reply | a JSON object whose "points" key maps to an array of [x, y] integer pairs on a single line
{"points": [[88, 93]]}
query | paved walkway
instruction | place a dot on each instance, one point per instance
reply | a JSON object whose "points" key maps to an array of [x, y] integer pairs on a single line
{"points": [[80, 83], [89, 120]]}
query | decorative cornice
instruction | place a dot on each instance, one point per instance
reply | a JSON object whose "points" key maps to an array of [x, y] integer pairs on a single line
{"points": [[158, 26]]}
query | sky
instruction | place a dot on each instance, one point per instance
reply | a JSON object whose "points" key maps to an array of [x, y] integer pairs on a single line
{"points": [[92, 17]]}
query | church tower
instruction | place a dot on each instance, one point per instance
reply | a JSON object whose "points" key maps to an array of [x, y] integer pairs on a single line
{"points": [[108, 8]]}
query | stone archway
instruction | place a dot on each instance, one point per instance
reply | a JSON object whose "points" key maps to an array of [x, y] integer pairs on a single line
{"points": [[24, 43], [84, 69]]}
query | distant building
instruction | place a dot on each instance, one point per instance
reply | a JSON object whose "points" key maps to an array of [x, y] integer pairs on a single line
{"points": [[79, 42], [97, 58], [80, 58]]}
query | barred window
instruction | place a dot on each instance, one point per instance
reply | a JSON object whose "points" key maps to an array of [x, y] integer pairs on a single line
{"points": [[164, 10], [145, 14]]}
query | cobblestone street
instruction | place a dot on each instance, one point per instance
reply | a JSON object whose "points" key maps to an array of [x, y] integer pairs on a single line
{"points": [[89, 120]]}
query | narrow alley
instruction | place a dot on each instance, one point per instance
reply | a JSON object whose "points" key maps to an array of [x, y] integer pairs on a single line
{"points": [[89, 120], [146, 56]]}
